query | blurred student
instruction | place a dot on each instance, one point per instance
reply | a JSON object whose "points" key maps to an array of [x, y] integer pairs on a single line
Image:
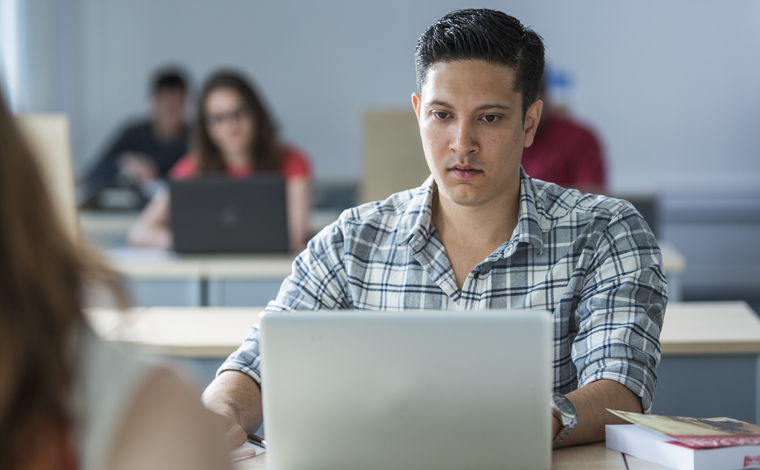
{"points": [[145, 150], [565, 152], [234, 136], [67, 399]]}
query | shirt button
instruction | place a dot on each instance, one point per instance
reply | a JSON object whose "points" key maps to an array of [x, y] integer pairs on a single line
{"points": [[475, 276]]}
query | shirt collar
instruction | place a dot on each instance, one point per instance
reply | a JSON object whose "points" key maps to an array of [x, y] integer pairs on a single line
{"points": [[528, 228], [418, 217]]}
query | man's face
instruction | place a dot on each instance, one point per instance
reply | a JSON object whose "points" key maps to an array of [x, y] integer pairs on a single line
{"points": [[472, 130], [169, 109]]}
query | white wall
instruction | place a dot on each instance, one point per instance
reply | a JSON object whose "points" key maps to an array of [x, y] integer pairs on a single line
{"points": [[672, 87]]}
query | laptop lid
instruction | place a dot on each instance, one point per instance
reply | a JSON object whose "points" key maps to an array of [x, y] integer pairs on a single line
{"points": [[225, 215], [411, 389]]}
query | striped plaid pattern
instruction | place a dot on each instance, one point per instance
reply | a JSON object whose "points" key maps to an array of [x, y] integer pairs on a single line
{"points": [[591, 260]]}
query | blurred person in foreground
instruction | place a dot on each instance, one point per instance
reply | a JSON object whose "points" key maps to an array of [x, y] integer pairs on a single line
{"points": [[481, 234], [145, 150], [67, 399], [565, 152], [233, 135]]}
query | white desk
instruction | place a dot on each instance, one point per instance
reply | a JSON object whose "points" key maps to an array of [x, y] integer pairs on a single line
{"points": [[709, 365], [110, 228], [690, 328], [160, 278], [588, 457]]}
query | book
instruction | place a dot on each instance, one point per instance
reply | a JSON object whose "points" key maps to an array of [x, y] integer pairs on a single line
{"points": [[687, 443]]}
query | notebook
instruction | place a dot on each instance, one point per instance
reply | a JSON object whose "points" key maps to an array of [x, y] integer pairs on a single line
{"points": [[224, 215], [407, 390]]}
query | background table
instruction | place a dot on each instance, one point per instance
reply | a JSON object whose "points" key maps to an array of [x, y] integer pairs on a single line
{"points": [[710, 361], [161, 278]]}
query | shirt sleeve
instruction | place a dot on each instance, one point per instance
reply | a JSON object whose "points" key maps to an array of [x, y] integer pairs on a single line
{"points": [[295, 164], [319, 281], [620, 314], [106, 169], [183, 169]]}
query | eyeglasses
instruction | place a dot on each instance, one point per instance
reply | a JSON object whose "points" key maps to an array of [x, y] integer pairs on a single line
{"points": [[235, 116]]}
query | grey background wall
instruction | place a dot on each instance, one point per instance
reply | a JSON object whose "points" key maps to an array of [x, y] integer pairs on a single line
{"points": [[672, 87]]}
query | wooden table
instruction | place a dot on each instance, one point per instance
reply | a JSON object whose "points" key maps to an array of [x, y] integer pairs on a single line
{"points": [[588, 457]]}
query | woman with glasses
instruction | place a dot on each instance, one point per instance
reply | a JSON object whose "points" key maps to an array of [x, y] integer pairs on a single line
{"points": [[234, 136]]}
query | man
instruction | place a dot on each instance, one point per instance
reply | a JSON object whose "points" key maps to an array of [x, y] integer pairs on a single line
{"points": [[482, 234], [146, 150], [565, 152]]}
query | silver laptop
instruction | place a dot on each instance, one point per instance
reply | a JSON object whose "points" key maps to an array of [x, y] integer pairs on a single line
{"points": [[407, 390], [226, 215]]}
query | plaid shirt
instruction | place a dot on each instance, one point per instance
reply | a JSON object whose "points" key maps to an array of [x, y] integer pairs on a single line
{"points": [[590, 260]]}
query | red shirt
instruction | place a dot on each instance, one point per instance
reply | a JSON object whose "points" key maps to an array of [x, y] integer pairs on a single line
{"points": [[565, 153], [295, 164]]}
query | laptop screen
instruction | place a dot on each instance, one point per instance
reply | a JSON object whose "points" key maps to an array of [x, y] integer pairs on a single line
{"points": [[224, 215]]}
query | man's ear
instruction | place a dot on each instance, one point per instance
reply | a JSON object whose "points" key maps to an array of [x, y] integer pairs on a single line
{"points": [[417, 103], [532, 117]]}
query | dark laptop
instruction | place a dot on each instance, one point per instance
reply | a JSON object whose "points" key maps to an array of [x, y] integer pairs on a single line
{"points": [[223, 215]]}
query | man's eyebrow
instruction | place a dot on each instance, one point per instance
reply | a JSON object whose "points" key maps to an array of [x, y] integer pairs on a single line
{"points": [[480, 108], [494, 105], [439, 103]]}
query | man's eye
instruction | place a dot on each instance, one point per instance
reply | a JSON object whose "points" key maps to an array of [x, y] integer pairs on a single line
{"points": [[440, 114], [490, 118]]}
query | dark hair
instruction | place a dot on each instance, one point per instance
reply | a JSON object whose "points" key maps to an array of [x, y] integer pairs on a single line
{"points": [[169, 79], [42, 274], [265, 151], [488, 35]]}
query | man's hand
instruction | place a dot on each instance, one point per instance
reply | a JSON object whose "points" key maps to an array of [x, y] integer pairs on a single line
{"points": [[226, 422], [236, 398], [592, 401], [139, 168]]}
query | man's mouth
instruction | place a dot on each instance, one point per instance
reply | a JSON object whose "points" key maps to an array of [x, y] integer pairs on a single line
{"points": [[464, 172]]}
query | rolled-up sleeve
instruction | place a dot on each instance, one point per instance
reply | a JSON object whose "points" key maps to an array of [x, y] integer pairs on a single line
{"points": [[318, 281], [620, 314]]}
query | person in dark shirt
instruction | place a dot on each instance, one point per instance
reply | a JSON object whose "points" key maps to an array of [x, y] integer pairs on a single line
{"points": [[145, 150]]}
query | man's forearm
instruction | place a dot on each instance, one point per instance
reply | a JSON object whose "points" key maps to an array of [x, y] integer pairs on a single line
{"points": [[591, 402], [237, 396]]}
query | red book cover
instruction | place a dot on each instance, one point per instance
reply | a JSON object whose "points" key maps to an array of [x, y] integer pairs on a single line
{"points": [[697, 433]]}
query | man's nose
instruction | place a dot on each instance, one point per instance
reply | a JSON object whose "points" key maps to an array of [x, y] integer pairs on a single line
{"points": [[464, 140]]}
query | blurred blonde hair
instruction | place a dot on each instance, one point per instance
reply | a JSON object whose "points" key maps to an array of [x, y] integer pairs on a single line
{"points": [[42, 275]]}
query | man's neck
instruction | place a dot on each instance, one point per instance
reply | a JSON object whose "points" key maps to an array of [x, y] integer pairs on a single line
{"points": [[470, 234], [491, 224], [167, 133]]}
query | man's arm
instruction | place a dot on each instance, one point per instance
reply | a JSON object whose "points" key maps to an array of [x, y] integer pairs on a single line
{"points": [[591, 403], [617, 348], [237, 397], [318, 282]]}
